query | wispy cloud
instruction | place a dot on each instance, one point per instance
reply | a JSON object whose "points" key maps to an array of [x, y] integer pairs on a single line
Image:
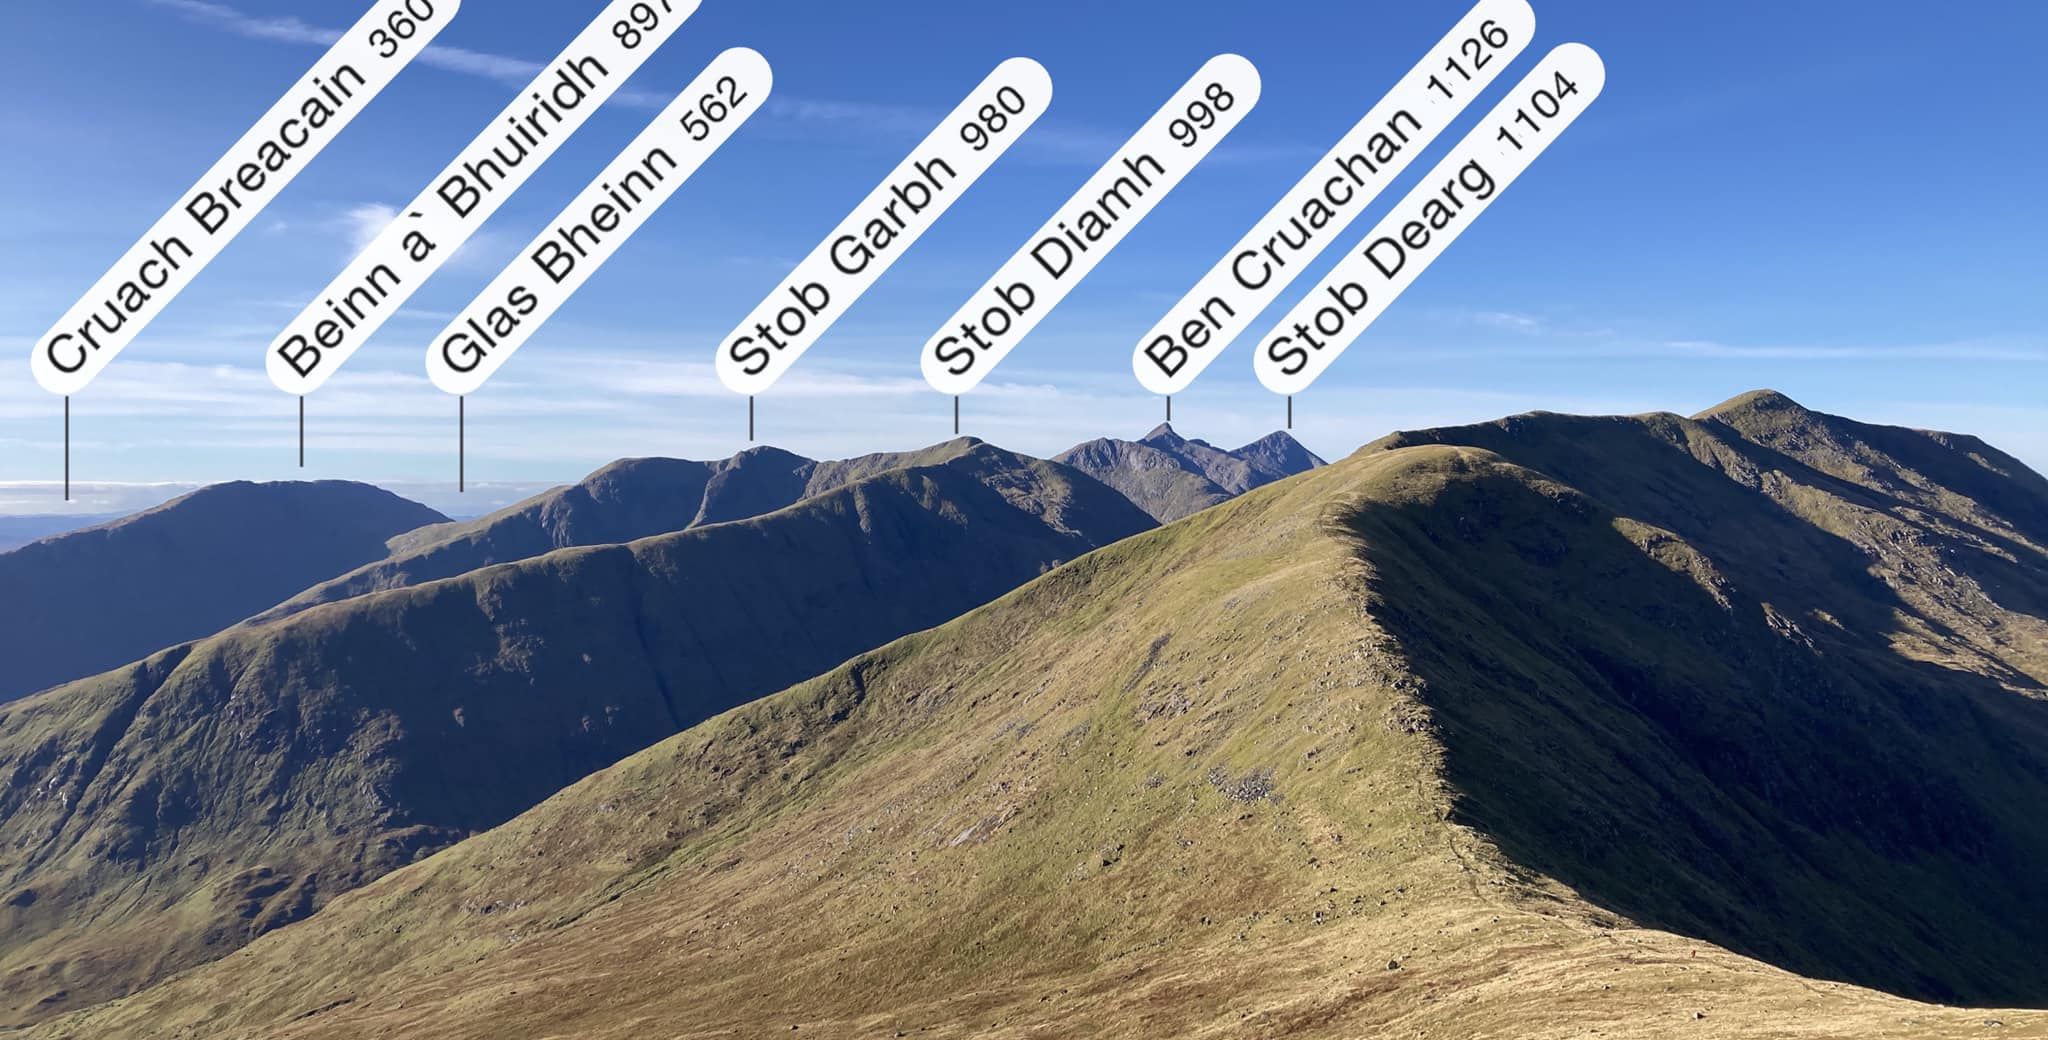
{"points": [[362, 224], [1980, 350], [1050, 143], [1508, 320], [287, 29], [93, 503], [359, 225], [563, 411], [1581, 338], [891, 120], [514, 71], [227, 19], [517, 72], [89, 502]]}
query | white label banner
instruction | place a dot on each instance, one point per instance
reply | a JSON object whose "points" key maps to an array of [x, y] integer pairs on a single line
{"points": [[1423, 225], [884, 226], [462, 197], [227, 199], [616, 205], [1091, 224], [1331, 197]]}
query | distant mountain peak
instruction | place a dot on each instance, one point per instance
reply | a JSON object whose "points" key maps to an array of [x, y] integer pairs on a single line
{"points": [[249, 492], [622, 502], [1276, 437], [110, 594], [1765, 400], [1171, 476], [1279, 453], [1478, 655], [768, 452], [477, 697]]}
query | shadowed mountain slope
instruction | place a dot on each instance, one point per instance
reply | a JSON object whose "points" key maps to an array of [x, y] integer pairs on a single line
{"points": [[1824, 724], [1436, 741], [1930, 544], [623, 502], [1172, 477], [159, 816], [1927, 470], [83, 602]]}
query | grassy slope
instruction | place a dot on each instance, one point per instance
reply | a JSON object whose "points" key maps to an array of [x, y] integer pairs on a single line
{"points": [[162, 815], [623, 502], [1188, 786], [1652, 711]]}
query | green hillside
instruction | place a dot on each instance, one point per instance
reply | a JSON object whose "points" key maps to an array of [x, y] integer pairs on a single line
{"points": [[624, 502], [1598, 727], [156, 817]]}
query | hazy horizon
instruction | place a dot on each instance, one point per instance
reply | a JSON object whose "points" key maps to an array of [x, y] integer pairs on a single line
{"points": [[1727, 217]]}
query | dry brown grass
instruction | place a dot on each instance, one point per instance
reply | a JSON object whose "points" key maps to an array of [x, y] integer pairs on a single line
{"points": [[1182, 788]]}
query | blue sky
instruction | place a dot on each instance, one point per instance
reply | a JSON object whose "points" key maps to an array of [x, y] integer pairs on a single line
{"points": [[1836, 198]]}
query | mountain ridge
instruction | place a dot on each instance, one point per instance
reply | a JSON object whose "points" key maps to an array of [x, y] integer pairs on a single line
{"points": [[248, 778], [106, 595], [1173, 477], [1539, 727], [640, 498], [621, 502], [17, 531]]}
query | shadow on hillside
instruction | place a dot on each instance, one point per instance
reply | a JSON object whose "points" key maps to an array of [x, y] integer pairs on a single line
{"points": [[1636, 723], [1651, 469]]}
